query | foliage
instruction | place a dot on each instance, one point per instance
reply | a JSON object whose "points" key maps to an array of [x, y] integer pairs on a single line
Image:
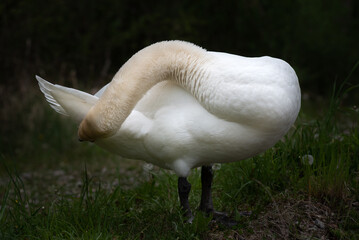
{"points": [[90, 40]]}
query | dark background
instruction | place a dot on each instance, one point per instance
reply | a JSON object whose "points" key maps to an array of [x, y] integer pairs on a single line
{"points": [[85, 41]]}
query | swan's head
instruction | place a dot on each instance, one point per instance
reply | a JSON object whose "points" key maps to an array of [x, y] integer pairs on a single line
{"points": [[90, 129]]}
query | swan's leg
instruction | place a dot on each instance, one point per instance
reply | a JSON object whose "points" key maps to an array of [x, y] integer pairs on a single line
{"points": [[184, 187], [206, 199]]}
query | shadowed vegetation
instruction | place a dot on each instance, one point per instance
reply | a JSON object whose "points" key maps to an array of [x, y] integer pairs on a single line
{"points": [[87, 41]]}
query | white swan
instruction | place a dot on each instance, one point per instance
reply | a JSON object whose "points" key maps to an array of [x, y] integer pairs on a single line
{"points": [[179, 106]]}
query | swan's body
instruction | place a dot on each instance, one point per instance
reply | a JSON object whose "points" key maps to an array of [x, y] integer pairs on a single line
{"points": [[178, 106]]}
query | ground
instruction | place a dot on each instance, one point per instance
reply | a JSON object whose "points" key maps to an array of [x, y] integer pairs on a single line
{"points": [[288, 216]]}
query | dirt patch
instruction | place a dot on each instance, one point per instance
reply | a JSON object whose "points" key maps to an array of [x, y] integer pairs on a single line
{"points": [[294, 219], [42, 186], [288, 218], [291, 218]]}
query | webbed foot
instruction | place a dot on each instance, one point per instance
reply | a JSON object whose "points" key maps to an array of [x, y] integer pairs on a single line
{"points": [[224, 219]]}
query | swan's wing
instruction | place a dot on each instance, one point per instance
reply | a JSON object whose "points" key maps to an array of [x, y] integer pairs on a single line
{"points": [[67, 101], [100, 92]]}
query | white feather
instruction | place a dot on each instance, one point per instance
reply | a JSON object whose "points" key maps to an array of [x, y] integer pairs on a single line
{"points": [[67, 101]]}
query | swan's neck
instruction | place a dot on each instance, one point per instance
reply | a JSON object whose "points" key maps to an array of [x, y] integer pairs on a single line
{"points": [[174, 60]]}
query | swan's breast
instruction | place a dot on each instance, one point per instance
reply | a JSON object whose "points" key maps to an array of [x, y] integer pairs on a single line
{"points": [[182, 128]]}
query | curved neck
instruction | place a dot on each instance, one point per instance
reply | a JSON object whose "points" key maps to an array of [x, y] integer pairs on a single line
{"points": [[174, 60]]}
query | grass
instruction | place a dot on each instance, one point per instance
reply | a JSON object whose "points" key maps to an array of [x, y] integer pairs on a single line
{"points": [[102, 196]]}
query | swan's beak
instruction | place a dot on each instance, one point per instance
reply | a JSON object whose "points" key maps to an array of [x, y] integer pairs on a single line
{"points": [[80, 140]]}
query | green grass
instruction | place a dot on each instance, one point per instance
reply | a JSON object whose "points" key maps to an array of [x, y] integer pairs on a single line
{"points": [[288, 197]]}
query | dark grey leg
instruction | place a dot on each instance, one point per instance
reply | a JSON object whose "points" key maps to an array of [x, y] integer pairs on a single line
{"points": [[184, 187], [206, 199]]}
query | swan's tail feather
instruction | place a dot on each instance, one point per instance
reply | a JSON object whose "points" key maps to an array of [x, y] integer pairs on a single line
{"points": [[67, 101], [45, 88]]}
